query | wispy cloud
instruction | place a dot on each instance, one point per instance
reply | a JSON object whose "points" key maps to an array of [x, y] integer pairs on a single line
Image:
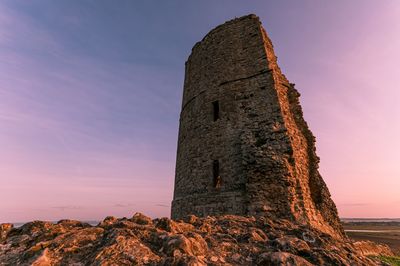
{"points": [[163, 205], [123, 205], [354, 204], [17, 28], [68, 208]]}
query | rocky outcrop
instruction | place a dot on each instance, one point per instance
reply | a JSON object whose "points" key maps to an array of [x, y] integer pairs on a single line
{"points": [[4, 229], [224, 240], [369, 248]]}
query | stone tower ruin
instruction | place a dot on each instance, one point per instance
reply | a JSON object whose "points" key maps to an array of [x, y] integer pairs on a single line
{"points": [[244, 147]]}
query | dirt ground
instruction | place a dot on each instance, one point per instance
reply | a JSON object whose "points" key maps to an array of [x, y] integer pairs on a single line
{"points": [[380, 232]]}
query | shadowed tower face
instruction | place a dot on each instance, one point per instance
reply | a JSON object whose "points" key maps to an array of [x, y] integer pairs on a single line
{"points": [[244, 147]]}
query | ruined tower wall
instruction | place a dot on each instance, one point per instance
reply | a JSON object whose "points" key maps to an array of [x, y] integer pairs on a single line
{"points": [[213, 73], [310, 197], [265, 152]]}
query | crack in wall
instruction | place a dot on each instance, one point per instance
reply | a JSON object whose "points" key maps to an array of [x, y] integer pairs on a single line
{"points": [[244, 78], [191, 99], [226, 82]]}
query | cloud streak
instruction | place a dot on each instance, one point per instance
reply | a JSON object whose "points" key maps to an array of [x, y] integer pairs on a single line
{"points": [[68, 208]]}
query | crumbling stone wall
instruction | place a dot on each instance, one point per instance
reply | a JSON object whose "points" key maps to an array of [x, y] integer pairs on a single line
{"points": [[265, 152]]}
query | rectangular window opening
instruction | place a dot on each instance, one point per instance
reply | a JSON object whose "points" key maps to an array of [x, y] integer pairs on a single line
{"points": [[216, 176], [215, 110]]}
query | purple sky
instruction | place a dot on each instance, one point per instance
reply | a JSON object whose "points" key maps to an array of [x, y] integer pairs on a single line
{"points": [[90, 94]]}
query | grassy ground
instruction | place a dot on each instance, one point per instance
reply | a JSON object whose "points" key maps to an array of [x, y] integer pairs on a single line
{"points": [[394, 261]]}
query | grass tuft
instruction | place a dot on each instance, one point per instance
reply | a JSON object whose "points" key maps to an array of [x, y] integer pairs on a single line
{"points": [[394, 261]]}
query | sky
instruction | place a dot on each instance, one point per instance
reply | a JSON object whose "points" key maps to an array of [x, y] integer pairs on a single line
{"points": [[90, 95]]}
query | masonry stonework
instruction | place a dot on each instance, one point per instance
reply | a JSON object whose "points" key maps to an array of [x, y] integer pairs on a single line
{"points": [[244, 147]]}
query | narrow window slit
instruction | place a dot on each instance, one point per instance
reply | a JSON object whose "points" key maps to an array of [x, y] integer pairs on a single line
{"points": [[216, 176], [215, 110]]}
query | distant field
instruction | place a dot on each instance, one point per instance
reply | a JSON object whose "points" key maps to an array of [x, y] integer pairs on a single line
{"points": [[380, 232]]}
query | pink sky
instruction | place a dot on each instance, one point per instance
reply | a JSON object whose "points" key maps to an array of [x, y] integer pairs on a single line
{"points": [[352, 107], [90, 99]]}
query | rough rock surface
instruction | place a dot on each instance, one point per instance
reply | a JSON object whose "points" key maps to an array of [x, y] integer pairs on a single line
{"points": [[244, 147], [224, 240]]}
